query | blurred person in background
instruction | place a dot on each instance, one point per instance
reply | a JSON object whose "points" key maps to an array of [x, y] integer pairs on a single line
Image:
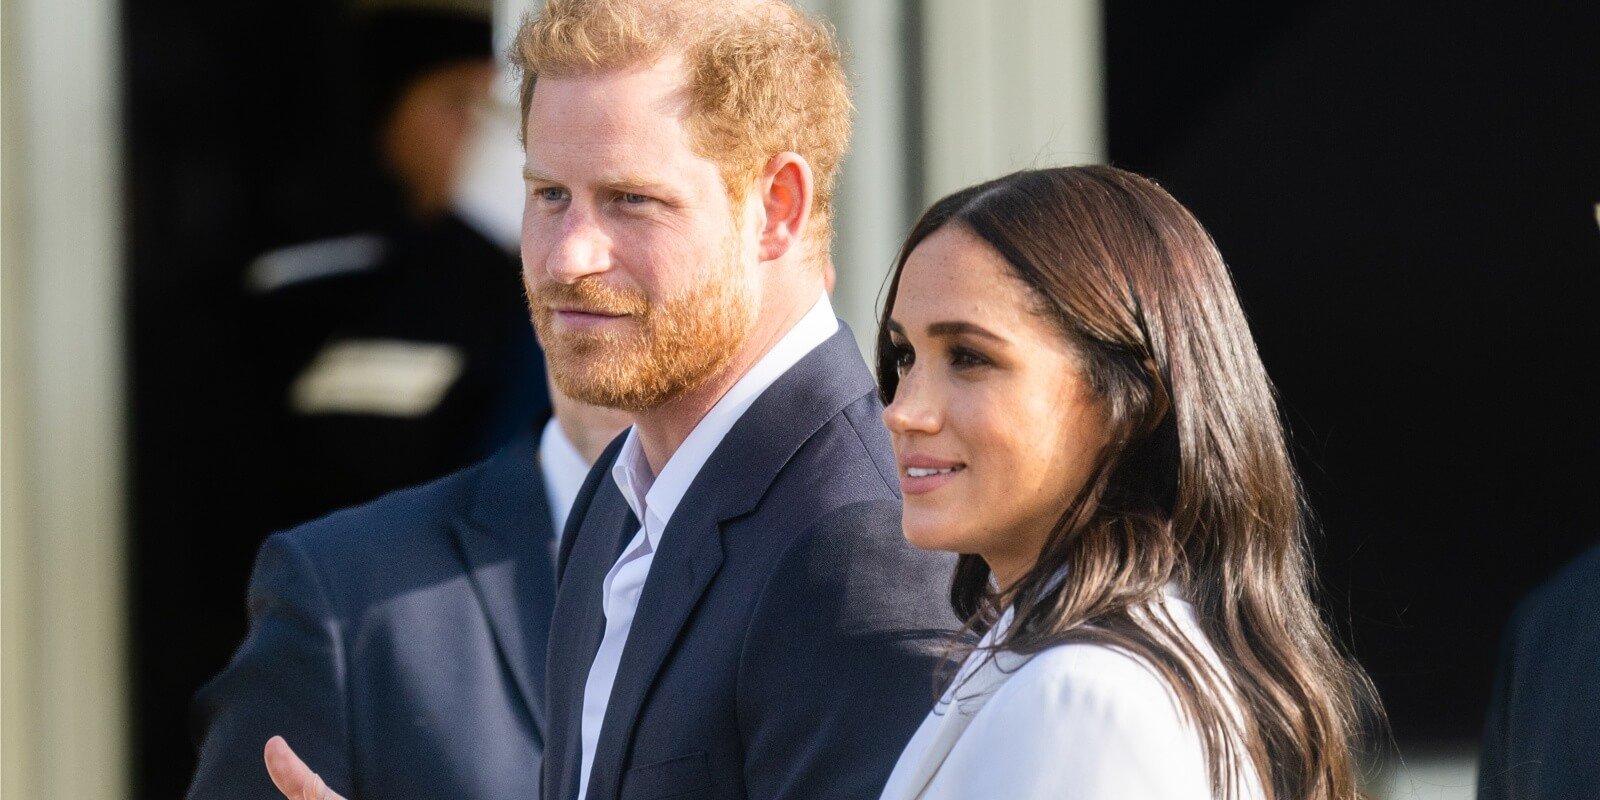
{"points": [[402, 643], [1542, 738], [392, 356]]}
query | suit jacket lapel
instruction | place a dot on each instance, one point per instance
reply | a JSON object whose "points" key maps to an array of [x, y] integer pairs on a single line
{"points": [[505, 538], [689, 557], [580, 621], [784, 418], [731, 483]]}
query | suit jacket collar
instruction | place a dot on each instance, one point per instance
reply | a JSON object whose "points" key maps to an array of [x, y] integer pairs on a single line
{"points": [[797, 405], [731, 484], [654, 497], [506, 540]]}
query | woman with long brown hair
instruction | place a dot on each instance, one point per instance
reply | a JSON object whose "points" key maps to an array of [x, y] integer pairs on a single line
{"points": [[1078, 409]]}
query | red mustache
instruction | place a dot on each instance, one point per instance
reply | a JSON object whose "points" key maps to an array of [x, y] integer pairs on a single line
{"points": [[590, 296]]}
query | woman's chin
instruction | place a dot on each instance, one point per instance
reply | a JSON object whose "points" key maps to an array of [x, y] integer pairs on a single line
{"points": [[932, 532]]}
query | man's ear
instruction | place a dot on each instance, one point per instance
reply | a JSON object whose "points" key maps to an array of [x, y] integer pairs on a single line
{"points": [[785, 190]]}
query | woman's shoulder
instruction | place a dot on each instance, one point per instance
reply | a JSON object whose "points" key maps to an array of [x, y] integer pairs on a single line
{"points": [[1105, 686], [1094, 682], [1085, 720]]}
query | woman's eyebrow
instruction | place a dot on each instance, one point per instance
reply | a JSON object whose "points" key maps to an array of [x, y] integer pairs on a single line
{"points": [[953, 329]]}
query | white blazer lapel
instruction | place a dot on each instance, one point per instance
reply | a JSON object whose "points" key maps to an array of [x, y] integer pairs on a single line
{"points": [[949, 719]]}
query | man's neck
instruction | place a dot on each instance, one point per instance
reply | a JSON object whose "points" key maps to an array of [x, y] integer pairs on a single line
{"points": [[663, 429]]}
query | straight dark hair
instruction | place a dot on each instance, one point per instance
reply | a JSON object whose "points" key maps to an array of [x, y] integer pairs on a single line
{"points": [[1195, 486]]}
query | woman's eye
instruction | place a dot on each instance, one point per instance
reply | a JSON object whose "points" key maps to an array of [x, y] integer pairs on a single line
{"points": [[903, 358], [962, 357]]}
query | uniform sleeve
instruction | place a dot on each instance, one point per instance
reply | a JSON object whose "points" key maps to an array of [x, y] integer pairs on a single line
{"points": [[287, 678], [1084, 722], [836, 671]]}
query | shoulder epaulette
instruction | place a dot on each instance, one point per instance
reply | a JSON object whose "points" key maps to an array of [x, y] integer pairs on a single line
{"points": [[314, 260]]}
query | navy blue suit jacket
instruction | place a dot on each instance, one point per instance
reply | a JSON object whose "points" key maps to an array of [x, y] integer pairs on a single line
{"points": [[1542, 740], [398, 646], [785, 640]]}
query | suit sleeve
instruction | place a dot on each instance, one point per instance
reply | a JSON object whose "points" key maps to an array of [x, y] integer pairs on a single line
{"points": [[836, 671], [287, 678]]}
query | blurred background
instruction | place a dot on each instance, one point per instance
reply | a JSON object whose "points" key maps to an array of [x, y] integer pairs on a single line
{"points": [[1408, 194]]}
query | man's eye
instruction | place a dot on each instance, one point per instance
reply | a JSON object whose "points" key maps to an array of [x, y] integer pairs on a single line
{"points": [[552, 195], [634, 199]]}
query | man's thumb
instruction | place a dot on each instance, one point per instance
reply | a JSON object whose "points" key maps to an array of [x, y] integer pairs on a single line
{"points": [[292, 776]]}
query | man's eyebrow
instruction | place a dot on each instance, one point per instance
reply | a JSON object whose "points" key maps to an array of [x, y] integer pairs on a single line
{"points": [[632, 180], [625, 179]]}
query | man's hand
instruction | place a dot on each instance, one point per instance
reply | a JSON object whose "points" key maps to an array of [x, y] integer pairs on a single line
{"points": [[292, 776]]}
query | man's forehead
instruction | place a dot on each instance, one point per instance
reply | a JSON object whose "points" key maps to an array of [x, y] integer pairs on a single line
{"points": [[616, 147], [655, 87], [624, 125]]}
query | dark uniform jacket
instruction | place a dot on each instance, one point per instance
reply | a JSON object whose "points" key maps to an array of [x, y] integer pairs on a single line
{"points": [[386, 361], [785, 641]]}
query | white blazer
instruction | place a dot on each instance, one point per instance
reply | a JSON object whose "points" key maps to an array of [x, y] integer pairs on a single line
{"points": [[1078, 721]]}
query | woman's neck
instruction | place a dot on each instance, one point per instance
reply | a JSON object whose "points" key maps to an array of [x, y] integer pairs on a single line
{"points": [[1006, 572]]}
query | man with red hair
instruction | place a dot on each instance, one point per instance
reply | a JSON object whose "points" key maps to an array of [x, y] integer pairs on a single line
{"points": [[739, 615]]}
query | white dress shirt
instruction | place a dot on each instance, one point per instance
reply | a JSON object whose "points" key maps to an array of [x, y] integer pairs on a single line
{"points": [[1084, 721], [653, 498], [564, 469]]}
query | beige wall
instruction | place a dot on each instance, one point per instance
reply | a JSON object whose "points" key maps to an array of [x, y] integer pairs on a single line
{"points": [[62, 661], [1011, 84], [1006, 84], [872, 209]]}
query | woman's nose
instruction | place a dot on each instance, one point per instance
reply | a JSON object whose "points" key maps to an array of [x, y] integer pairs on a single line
{"points": [[914, 408]]}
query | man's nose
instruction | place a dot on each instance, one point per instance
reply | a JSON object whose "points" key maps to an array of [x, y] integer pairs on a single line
{"points": [[583, 248]]}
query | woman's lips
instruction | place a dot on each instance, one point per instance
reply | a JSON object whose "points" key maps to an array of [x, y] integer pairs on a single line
{"points": [[921, 474]]}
